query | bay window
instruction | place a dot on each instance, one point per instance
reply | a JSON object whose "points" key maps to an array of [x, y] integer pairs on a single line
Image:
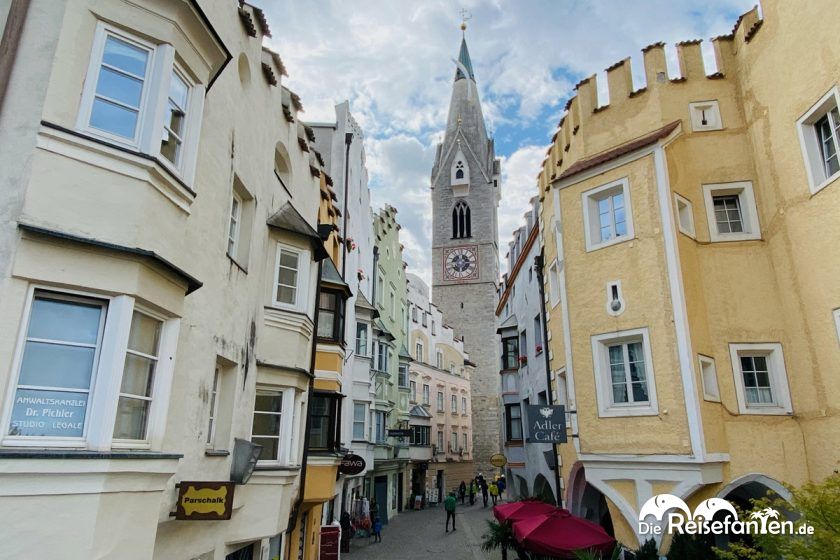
{"points": [[266, 427], [324, 423], [291, 275], [359, 417], [513, 422], [331, 317], [510, 353], [361, 339], [89, 372], [420, 436]]}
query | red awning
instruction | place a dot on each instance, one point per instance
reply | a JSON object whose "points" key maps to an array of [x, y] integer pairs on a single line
{"points": [[559, 534], [514, 511]]}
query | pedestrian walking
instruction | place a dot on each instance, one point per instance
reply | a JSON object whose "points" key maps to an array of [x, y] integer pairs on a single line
{"points": [[377, 530], [462, 491], [473, 491], [346, 531], [449, 504], [502, 485], [494, 492], [484, 491]]}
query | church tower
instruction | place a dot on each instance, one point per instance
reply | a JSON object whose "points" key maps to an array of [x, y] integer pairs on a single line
{"points": [[465, 249]]}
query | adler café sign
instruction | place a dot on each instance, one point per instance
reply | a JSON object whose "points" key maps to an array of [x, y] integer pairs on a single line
{"points": [[546, 424]]}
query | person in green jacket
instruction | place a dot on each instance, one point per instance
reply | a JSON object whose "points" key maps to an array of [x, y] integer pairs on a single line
{"points": [[473, 491], [449, 504]]}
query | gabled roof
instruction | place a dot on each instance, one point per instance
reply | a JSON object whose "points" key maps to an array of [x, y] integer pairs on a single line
{"points": [[404, 352], [464, 58], [363, 303], [383, 330], [289, 219], [331, 277], [419, 412]]}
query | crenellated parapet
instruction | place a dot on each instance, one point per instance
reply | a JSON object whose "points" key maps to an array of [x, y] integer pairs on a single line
{"points": [[587, 128]]}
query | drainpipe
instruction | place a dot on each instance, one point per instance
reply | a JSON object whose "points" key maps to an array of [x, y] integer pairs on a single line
{"points": [[348, 139], [10, 42], [293, 516], [538, 265]]}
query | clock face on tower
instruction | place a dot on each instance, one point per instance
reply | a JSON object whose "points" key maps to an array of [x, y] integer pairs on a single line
{"points": [[460, 263]]}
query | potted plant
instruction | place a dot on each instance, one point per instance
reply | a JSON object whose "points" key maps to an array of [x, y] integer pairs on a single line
{"points": [[523, 360]]}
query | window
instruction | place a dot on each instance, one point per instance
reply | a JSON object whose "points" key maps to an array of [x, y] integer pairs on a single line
{"points": [[72, 368], [235, 219], [705, 115], [418, 351], [425, 394], [382, 356], [607, 215], [523, 346], [379, 423], [440, 441], [413, 391], [685, 215], [331, 317], [425, 319], [513, 422], [440, 401], [265, 431], [454, 404], [819, 137], [392, 298], [510, 353], [361, 339], [731, 211], [420, 436], [538, 341], [463, 405], [708, 376], [760, 378], [460, 170], [130, 81], [214, 406], [402, 375], [439, 359], [359, 420], [553, 284], [837, 321], [461, 221], [453, 442], [433, 328], [380, 287], [464, 446], [624, 373], [324, 425], [290, 277], [414, 313]]}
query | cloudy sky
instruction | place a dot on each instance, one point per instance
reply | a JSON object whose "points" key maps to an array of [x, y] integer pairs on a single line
{"points": [[392, 60]]}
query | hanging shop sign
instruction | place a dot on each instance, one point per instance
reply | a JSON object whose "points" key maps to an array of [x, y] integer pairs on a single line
{"points": [[498, 460], [204, 501], [546, 423], [399, 433], [351, 464]]}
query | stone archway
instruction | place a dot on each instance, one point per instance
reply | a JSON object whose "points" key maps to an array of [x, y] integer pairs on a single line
{"points": [[586, 501], [543, 490]]}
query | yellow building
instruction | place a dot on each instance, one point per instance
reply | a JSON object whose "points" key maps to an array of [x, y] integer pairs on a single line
{"points": [[690, 234]]}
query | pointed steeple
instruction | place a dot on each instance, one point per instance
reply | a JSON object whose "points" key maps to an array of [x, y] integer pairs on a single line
{"points": [[464, 59]]}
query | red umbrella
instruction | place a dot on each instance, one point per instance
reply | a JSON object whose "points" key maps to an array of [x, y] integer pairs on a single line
{"points": [[514, 511], [559, 534]]}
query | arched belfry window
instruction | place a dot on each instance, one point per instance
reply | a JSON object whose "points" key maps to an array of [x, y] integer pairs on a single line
{"points": [[460, 174], [461, 226]]}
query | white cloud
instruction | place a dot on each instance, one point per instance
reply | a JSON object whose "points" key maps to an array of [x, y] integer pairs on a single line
{"points": [[392, 61]]}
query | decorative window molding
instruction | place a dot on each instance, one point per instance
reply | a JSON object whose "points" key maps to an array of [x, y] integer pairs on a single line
{"points": [[731, 211], [819, 138], [630, 390], [760, 378], [607, 215], [102, 367], [705, 115], [685, 215], [708, 377], [461, 221], [137, 96]]}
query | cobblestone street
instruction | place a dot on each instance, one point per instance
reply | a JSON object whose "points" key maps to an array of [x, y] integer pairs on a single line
{"points": [[421, 535]]}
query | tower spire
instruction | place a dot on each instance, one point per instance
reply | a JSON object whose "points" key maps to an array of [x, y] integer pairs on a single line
{"points": [[464, 64]]}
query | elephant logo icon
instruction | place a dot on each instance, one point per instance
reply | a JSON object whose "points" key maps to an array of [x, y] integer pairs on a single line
{"points": [[708, 508], [660, 504]]}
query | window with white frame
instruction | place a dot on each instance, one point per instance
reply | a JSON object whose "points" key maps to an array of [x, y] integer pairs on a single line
{"points": [[440, 441], [136, 94], [538, 341], [607, 215], [708, 376], [266, 427], [453, 442], [418, 351], [412, 386], [440, 401], [426, 390], [624, 373], [731, 211], [240, 223], [439, 359], [362, 339], [359, 418], [379, 426], [402, 376], [553, 284], [235, 219], [819, 137], [214, 406], [837, 322], [463, 405], [454, 404], [382, 356], [392, 299], [290, 277], [464, 445], [760, 378], [69, 354], [685, 215]]}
